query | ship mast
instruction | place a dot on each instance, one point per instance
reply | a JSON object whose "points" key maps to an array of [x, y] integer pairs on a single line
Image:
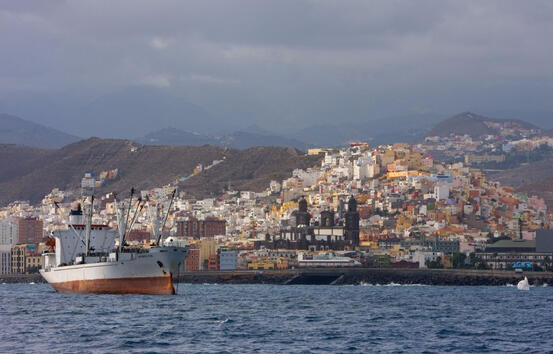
{"points": [[88, 223], [120, 212]]}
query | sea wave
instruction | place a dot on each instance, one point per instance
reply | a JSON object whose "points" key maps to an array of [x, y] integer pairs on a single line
{"points": [[390, 284]]}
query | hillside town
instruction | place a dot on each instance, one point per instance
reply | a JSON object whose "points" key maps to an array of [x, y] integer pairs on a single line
{"points": [[385, 206]]}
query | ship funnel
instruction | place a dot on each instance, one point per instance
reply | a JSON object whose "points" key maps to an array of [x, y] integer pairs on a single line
{"points": [[76, 216]]}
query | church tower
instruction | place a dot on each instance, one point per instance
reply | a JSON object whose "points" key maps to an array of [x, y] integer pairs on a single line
{"points": [[352, 223], [302, 216]]}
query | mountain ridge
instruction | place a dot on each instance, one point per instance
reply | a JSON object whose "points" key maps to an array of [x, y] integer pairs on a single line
{"points": [[35, 172], [15, 130]]}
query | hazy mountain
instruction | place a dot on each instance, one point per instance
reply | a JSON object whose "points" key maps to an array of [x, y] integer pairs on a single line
{"points": [[236, 140], [245, 140], [409, 128], [173, 136], [34, 172], [14, 130], [474, 125], [136, 111]]}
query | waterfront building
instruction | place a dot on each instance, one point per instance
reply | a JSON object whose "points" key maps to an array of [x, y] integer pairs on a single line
{"points": [[25, 258], [227, 259], [208, 247], [192, 262], [434, 245], [213, 262], [504, 253], [5, 259]]}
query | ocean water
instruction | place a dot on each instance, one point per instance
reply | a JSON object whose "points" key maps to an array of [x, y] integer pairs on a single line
{"points": [[272, 318]]}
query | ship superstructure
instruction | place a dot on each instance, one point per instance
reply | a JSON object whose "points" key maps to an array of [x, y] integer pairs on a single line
{"points": [[86, 259]]}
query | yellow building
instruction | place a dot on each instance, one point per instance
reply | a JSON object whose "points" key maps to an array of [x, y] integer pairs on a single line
{"points": [[373, 245], [25, 258], [33, 264], [261, 265], [318, 151], [208, 247]]}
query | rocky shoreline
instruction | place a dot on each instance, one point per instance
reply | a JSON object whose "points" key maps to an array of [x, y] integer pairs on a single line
{"points": [[340, 276]]}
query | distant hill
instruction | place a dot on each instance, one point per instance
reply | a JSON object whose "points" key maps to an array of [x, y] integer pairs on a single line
{"points": [[245, 140], [409, 128], [173, 136], [14, 130], [236, 140], [474, 125], [537, 182], [34, 172]]}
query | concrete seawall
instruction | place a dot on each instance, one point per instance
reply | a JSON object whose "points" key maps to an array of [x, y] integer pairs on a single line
{"points": [[341, 276], [21, 278]]}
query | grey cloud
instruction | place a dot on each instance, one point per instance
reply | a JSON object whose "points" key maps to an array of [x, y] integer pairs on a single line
{"points": [[277, 63]]}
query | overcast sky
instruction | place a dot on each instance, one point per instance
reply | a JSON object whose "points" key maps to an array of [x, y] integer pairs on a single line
{"points": [[280, 63]]}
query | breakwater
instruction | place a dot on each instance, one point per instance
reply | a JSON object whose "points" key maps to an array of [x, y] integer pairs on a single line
{"points": [[21, 278], [341, 276], [354, 276]]}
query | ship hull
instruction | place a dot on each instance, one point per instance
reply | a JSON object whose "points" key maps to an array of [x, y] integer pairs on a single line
{"points": [[142, 285], [133, 273]]}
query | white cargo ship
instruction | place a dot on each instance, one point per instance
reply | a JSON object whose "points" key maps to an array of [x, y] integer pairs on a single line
{"points": [[85, 259], [325, 260]]}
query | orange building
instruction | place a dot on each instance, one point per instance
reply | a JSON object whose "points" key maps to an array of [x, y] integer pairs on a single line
{"points": [[30, 230], [213, 262], [192, 262]]}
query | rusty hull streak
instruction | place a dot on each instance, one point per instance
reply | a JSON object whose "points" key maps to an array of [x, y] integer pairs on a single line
{"points": [[145, 285]]}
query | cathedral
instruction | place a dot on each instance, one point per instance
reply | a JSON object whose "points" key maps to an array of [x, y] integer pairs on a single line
{"points": [[325, 235]]}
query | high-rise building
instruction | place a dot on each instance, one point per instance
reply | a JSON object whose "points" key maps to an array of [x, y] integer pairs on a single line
{"points": [[30, 230], [208, 227], [9, 232]]}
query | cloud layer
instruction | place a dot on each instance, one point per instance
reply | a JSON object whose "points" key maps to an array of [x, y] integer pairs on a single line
{"points": [[282, 64]]}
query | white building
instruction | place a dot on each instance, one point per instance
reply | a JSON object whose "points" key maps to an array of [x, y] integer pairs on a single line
{"points": [[363, 168], [227, 259], [275, 187], [9, 231], [441, 190], [5, 259]]}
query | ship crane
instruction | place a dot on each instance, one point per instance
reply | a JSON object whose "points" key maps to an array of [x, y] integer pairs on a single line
{"points": [[123, 225], [157, 214]]}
